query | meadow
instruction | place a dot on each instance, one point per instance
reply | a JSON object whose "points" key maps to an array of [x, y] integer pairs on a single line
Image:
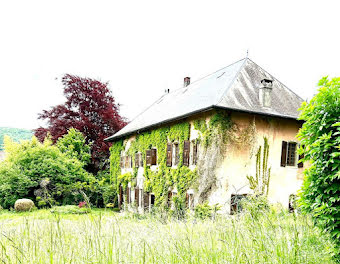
{"points": [[105, 236]]}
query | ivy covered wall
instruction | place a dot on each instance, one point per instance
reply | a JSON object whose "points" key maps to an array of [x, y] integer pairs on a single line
{"points": [[216, 130], [163, 178]]}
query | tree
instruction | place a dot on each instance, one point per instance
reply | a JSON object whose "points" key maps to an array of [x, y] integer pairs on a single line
{"points": [[89, 108], [40, 171], [74, 145], [320, 144]]}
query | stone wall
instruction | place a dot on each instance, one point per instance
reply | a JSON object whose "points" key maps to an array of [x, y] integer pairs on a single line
{"points": [[223, 167]]}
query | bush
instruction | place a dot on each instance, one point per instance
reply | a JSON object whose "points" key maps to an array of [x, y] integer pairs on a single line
{"points": [[255, 205], [33, 169], [204, 211], [320, 139]]}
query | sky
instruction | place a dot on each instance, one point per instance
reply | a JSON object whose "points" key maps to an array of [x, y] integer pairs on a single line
{"points": [[144, 47]]}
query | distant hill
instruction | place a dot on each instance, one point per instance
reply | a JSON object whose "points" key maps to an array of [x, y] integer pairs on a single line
{"points": [[16, 134]]}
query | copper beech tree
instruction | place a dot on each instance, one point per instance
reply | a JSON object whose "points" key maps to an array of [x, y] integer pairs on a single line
{"points": [[90, 108]]}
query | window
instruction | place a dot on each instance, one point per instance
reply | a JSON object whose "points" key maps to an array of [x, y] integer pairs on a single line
{"points": [[169, 154], [291, 154], [152, 200], [148, 157], [175, 154], [194, 152], [128, 162], [288, 154], [186, 153], [153, 156], [138, 160], [122, 162], [235, 203]]}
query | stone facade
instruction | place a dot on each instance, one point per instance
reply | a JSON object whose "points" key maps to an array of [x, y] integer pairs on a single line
{"points": [[222, 170]]}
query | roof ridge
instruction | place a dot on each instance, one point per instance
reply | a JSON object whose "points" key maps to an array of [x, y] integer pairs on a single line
{"points": [[232, 82], [172, 91]]}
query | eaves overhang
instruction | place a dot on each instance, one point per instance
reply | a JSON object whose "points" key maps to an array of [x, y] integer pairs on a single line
{"points": [[213, 107]]}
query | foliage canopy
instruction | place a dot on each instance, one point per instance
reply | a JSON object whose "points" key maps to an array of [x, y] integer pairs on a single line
{"points": [[51, 174], [320, 139], [90, 108]]}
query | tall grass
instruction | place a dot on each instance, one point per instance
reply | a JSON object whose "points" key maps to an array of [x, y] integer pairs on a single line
{"points": [[108, 237]]}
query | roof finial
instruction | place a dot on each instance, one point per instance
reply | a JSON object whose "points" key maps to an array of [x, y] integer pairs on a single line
{"points": [[247, 53]]}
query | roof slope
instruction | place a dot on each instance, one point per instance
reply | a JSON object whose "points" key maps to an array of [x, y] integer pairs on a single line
{"points": [[234, 87]]}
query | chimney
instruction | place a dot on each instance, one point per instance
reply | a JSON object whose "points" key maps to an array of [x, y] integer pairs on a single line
{"points": [[265, 92], [186, 81]]}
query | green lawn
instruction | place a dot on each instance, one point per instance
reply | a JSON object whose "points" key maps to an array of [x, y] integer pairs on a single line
{"points": [[109, 237]]}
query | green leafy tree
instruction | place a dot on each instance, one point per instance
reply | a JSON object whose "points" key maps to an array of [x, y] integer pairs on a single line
{"points": [[320, 140], [74, 145], [42, 172]]}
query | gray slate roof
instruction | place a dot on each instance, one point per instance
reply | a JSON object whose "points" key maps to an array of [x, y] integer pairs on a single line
{"points": [[234, 87]]}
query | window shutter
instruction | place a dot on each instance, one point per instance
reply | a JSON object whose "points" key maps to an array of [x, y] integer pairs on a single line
{"points": [[137, 196], [126, 161], [291, 154], [169, 155], [140, 160], [120, 196], [148, 157], [169, 198], [122, 162], [176, 153], [137, 160], [194, 154], [300, 164], [153, 156], [146, 200], [186, 153], [284, 154], [127, 195]]}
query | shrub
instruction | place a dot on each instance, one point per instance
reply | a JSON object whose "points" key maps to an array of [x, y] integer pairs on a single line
{"points": [[255, 205], [320, 139], [33, 169], [204, 211]]}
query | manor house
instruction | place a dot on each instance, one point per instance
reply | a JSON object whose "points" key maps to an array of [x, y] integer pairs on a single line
{"points": [[201, 141]]}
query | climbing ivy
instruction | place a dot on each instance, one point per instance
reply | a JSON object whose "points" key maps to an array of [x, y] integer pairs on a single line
{"points": [[219, 128], [163, 178], [115, 171]]}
